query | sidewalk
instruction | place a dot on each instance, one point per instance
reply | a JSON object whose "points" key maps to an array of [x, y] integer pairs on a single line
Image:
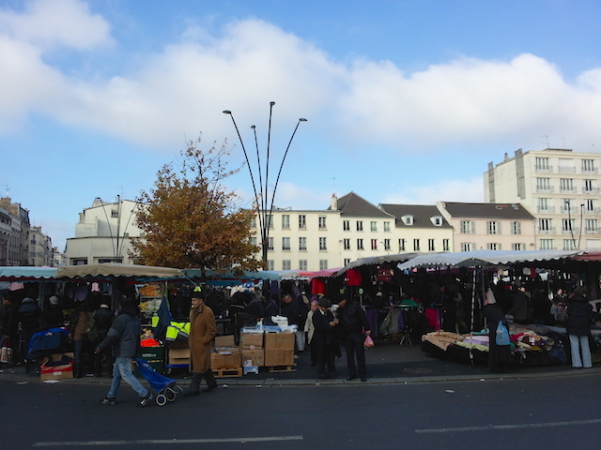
{"points": [[386, 364]]}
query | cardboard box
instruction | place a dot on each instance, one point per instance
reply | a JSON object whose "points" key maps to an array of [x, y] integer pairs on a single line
{"points": [[226, 358], [279, 341], [58, 372], [279, 358], [256, 358], [179, 356], [225, 341], [251, 341]]}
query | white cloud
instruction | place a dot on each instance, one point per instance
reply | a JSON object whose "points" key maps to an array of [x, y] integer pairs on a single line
{"points": [[183, 88], [446, 190], [50, 23]]}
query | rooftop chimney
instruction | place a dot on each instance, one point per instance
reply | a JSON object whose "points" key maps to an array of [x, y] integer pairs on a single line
{"points": [[334, 203]]}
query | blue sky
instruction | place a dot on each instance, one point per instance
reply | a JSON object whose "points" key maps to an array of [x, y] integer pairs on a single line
{"points": [[406, 101]]}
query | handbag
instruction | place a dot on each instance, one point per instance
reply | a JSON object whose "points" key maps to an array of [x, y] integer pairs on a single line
{"points": [[6, 354], [368, 342]]}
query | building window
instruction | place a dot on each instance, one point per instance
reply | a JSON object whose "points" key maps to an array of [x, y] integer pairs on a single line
{"points": [[285, 243], [346, 261], [516, 228], [270, 243], [493, 246], [402, 245], [416, 245], [359, 244], [386, 226], [374, 244], [302, 243], [322, 243], [431, 245], [386, 244], [269, 221], [590, 226], [467, 227], [543, 205], [114, 213], [568, 225], [302, 264], [543, 185], [467, 246], [323, 264], [359, 225], [253, 241], [445, 245], [302, 221], [542, 164], [518, 247], [346, 225], [588, 186], [566, 185], [253, 222], [589, 205], [569, 244], [373, 225], [346, 244], [546, 244], [286, 221], [588, 166], [322, 222], [544, 225], [286, 264], [493, 227], [270, 264]]}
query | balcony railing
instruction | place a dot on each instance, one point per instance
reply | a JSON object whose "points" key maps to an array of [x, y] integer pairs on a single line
{"points": [[544, 190], [590, 170], [543, 169], [592, 211], [594, 191], [574, 230], [546, 231], [591, 231]]}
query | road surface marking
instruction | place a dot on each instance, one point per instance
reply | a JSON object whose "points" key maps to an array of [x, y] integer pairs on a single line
{"points": [[170, 441], [508, 427]]}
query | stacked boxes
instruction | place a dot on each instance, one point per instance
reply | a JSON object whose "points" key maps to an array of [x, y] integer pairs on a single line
{"points": [[225, 355], [253, 354], [179, 356], [279, 349]]}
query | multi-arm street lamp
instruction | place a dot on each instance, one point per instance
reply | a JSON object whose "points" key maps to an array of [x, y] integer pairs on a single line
{"points": [[264, 209]]}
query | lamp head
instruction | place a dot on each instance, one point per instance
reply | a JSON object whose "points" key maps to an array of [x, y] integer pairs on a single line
{"points": [[271, 103], [227, 111], [253, 127], [302, 119]]}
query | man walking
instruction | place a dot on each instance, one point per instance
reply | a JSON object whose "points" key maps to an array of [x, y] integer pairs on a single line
{"points": [[352, 321], [202, 332], [124, 337]]}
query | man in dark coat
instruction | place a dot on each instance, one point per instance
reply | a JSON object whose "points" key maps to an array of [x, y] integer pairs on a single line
{"points": [[29, 316], [352, 323], [103, 320], [124, 338], [52, 316], [296, 315], [578, 327], [271, 309], [324, 339], [255, 309]]}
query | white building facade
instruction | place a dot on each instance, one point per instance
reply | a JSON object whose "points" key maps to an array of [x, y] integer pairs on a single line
{"points": [[561, 190], [104, 233]]}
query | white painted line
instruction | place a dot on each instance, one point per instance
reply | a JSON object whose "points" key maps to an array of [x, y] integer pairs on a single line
{"points": [[170, 441], [509, 427]]}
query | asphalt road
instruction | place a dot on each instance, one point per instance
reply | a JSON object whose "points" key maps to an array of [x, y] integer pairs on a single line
{"points": [[549, 413]]}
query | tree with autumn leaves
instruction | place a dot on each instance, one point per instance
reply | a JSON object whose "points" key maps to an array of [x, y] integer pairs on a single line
{"points": [[189, 218]]}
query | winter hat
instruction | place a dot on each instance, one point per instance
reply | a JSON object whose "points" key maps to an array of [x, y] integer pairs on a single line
{"points": [[324, 303], [54, 300]]}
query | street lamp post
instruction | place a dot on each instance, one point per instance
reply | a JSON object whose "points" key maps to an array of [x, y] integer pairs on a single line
{"points": [[262, 193]]}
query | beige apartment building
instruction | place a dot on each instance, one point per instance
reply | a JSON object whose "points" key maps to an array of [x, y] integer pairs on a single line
{"points": [[489, 226], [41, 252], [559, 187], [104, 233], [350, 229]]}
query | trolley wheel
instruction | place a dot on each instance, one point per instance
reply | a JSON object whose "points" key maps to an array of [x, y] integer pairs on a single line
{"points": [[161, 399], [169, 370], [170, 394]]}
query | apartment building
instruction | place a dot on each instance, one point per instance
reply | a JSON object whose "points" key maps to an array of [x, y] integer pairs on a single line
{"points": [[559, 187], [351, 228], [104, 233], [14, 233], [490, 226], [41, 252]]}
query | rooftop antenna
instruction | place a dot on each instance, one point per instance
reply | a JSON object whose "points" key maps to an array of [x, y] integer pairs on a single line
{"points": [[547, 138], [7, 190]]}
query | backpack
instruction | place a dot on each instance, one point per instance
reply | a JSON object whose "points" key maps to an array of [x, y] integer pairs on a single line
{"points": [[91, 331]]}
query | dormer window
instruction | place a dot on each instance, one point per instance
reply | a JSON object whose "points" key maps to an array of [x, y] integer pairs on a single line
{"points": [[407, 219], [436, 221]]}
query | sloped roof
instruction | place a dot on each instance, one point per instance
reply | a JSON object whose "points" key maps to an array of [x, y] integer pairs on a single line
{"points": [[421, 215], [354, 205], [488, 210]]}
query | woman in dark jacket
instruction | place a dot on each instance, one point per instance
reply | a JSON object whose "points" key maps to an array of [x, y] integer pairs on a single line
{"points": [[578, 327]]}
